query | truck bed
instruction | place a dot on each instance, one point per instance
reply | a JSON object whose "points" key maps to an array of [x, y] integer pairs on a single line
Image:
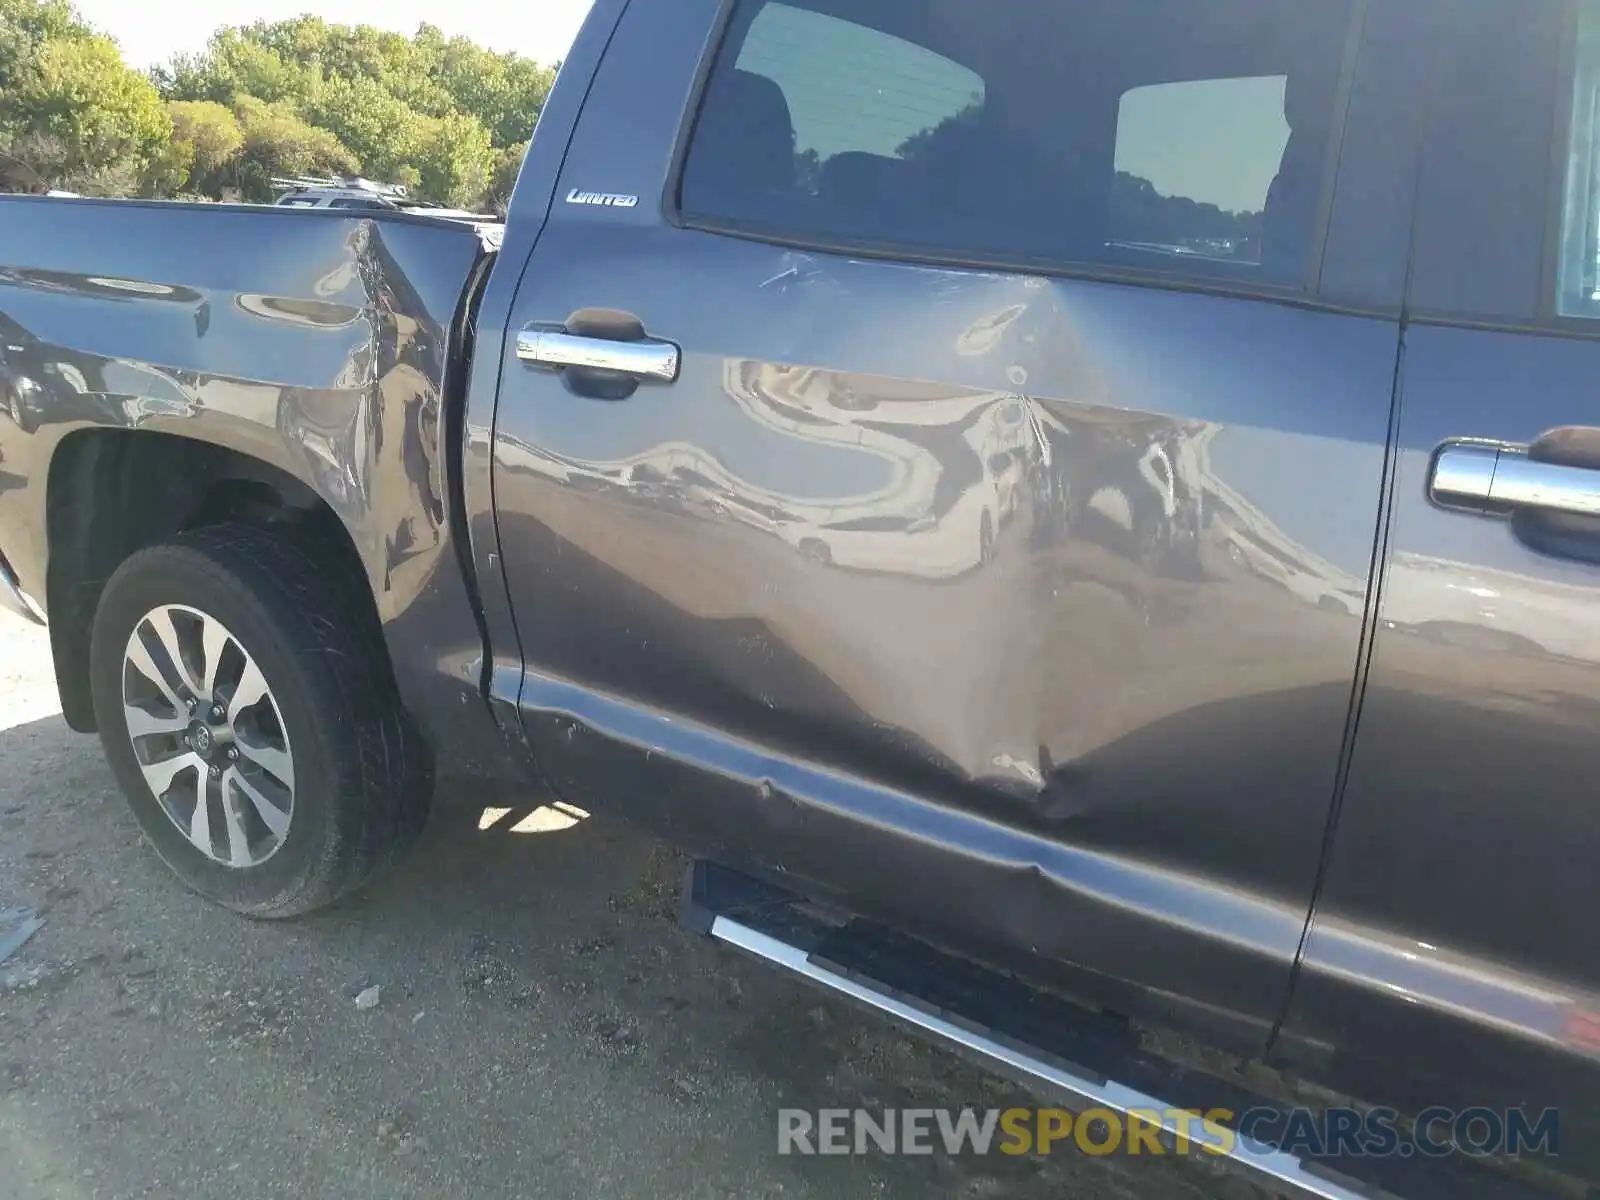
{"points": [[323, 345]]}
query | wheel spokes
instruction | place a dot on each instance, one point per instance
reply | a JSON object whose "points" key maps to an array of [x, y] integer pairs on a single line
{"points": [[214, 640], [159, 775], [139, 658], [235, 751], [142, 723], [251, 691], [238, 841], [199, 830], [273, 817], [276, 763], [160, 622]]}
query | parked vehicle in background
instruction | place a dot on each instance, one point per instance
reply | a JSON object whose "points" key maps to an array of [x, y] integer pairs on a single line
{"points": [[1068, 549], [347, 193], [362, 195]]}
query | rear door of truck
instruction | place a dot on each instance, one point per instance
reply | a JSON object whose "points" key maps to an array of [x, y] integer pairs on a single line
{"points": [[938, 457], [1454, 955]]}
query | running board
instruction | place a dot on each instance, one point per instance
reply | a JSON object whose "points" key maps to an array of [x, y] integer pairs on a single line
{"points": [[1094, 1059]]}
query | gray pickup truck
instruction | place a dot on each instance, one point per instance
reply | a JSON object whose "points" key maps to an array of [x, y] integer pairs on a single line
{"points": [[1082, 518]]}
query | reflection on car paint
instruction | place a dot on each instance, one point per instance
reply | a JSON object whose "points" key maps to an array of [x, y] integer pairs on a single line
{"points": [[319, 346]]}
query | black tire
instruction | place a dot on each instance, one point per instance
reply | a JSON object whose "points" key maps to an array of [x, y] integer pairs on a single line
{"points": [[362, 776], [21, 413]]}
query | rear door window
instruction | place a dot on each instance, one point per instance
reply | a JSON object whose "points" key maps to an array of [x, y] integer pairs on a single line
{"points": [[853, 90], [1578, 277], [1148, 135]]}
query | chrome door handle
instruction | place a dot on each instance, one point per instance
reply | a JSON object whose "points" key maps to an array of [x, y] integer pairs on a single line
{"points": [[646, 358], [1488, 477]]}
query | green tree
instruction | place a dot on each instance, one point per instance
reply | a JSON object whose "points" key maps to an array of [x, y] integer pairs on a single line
{"points": [[277, 142], [49, 162], [420, 86], [236, 63], [948, 135], [76, 106], [25, 26], [214, 139], [504, 91], [171, 168], [453, 160], [503, 177], [428, 111], [377, 128], [447, 118], [193, 77], [528, 87]]}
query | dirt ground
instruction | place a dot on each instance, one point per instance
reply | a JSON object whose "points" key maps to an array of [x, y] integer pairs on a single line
{"points": [[543, 1028]]}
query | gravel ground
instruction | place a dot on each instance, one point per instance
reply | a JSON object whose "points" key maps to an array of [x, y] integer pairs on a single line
{"points": [[543, 1028]]}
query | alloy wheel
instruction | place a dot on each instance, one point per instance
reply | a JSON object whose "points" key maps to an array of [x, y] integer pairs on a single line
{"points": [[208, 735]]}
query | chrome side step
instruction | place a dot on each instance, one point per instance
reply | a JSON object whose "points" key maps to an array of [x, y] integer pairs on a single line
{"points": [[1256, 1156], [1094, 1060]]}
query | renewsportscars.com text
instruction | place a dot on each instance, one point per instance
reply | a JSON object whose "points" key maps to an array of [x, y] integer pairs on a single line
{"points": [[1335, 1132]]}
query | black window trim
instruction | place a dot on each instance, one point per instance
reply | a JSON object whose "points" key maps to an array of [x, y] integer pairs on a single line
{"points": [[1308, 296], [1547, 319], [1556, 185]]}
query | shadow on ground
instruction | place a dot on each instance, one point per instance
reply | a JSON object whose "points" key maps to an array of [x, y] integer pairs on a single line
{"points": [[544, 1028]]}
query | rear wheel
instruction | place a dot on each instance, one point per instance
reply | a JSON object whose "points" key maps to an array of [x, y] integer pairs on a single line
{"points": [[18, 407], [250, 718]]}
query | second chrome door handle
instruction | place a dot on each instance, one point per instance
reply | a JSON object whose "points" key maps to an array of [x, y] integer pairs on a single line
{"points": [[646, 358], [1487, 477]]}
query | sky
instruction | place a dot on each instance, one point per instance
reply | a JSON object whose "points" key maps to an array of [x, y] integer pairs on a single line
{"points": [[152, 33], [1168, 133]]}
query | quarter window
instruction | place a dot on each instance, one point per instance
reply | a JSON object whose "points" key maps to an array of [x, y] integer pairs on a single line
{"points": [[1151, 135], [1168, 198]]}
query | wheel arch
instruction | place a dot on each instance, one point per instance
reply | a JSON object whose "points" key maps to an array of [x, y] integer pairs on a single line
{"points": [[113, 492]]}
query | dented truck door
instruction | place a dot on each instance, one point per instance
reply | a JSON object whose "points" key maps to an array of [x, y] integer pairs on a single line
{"points": [[956, 495]]}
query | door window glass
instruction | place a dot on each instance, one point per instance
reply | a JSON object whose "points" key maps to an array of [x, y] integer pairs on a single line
{"points": [[851, 89], [1149, 134]]}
